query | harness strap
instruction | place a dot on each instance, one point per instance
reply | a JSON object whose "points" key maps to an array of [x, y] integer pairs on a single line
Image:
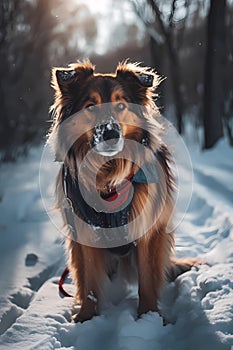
{"points": [[67, 205], [77, 205]]}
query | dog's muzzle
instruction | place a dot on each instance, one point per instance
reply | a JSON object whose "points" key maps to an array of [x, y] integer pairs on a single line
{"points": [[107, 138]]}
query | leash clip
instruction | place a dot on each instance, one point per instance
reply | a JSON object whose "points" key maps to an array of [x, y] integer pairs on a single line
{"points": [[67, 204]]}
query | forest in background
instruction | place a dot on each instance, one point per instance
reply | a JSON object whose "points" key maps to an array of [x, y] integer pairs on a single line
{"points": [[189, 42]]}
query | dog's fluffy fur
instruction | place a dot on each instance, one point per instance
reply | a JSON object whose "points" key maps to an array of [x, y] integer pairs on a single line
{"points": [[77, 88]]}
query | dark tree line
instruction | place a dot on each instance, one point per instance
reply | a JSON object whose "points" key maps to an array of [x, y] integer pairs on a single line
{"points": [[169, 30], [23, 68], [213, 110], [190, 42], [34, 36]]}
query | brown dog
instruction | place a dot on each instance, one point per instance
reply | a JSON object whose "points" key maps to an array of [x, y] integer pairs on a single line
{"points": [[117, 118]]}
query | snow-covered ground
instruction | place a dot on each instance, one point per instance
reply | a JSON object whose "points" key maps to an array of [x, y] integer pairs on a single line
{"points": [[198, 305]]}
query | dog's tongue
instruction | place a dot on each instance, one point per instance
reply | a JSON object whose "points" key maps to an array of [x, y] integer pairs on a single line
{"points": [[118, 196]]}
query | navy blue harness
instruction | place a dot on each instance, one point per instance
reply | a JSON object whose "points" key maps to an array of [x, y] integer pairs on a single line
{"points": [[147, 174]]}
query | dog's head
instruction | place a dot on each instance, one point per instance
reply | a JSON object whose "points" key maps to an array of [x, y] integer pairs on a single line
{"points": [[108, 109]]}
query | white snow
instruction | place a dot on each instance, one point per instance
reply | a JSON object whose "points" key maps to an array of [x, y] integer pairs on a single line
{"points": [[198, 306]]}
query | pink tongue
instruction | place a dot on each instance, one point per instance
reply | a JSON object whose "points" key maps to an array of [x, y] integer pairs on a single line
{"points": [[118, 196]]}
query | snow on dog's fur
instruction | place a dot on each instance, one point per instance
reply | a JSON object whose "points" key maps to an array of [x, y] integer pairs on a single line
{"points": [[79, 88]]}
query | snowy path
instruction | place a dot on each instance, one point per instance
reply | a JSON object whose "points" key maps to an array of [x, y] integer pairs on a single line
{"points": [[198, 305]]}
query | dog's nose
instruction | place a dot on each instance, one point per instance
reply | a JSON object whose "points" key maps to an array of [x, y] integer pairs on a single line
{"points": [[108, 139], [111, 134]]}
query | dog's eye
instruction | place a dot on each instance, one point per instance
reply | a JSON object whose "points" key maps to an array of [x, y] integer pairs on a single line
{"points": [[120, 106], [91, 108]]}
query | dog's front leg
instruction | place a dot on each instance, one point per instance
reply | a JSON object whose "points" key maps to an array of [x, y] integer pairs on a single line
{"points": [[150, 274], [87, 264]]}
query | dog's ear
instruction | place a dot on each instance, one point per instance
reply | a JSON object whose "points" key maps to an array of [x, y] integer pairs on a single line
{"points": [[146, 79], [141, 81], [64, 79], [142, 75]]}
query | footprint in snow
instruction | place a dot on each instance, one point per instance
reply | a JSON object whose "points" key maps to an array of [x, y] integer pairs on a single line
{"points": [[31, 259]]}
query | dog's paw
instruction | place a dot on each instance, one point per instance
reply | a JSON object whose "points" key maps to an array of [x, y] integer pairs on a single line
{"points": [[84, 314], [82, 317], [180, 266], [145, 307]]}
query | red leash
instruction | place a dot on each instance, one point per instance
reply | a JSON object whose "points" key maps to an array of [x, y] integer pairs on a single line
{"points": [[61, 281]]}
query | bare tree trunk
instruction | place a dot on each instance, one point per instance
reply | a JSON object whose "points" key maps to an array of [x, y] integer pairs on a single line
{"points": [[176, 84], [173, 60], [214, 73]]}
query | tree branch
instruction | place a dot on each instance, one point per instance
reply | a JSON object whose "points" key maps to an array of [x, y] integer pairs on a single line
{"points": [[158, 13], [180, 35], [149, 27], [173, 9]]}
